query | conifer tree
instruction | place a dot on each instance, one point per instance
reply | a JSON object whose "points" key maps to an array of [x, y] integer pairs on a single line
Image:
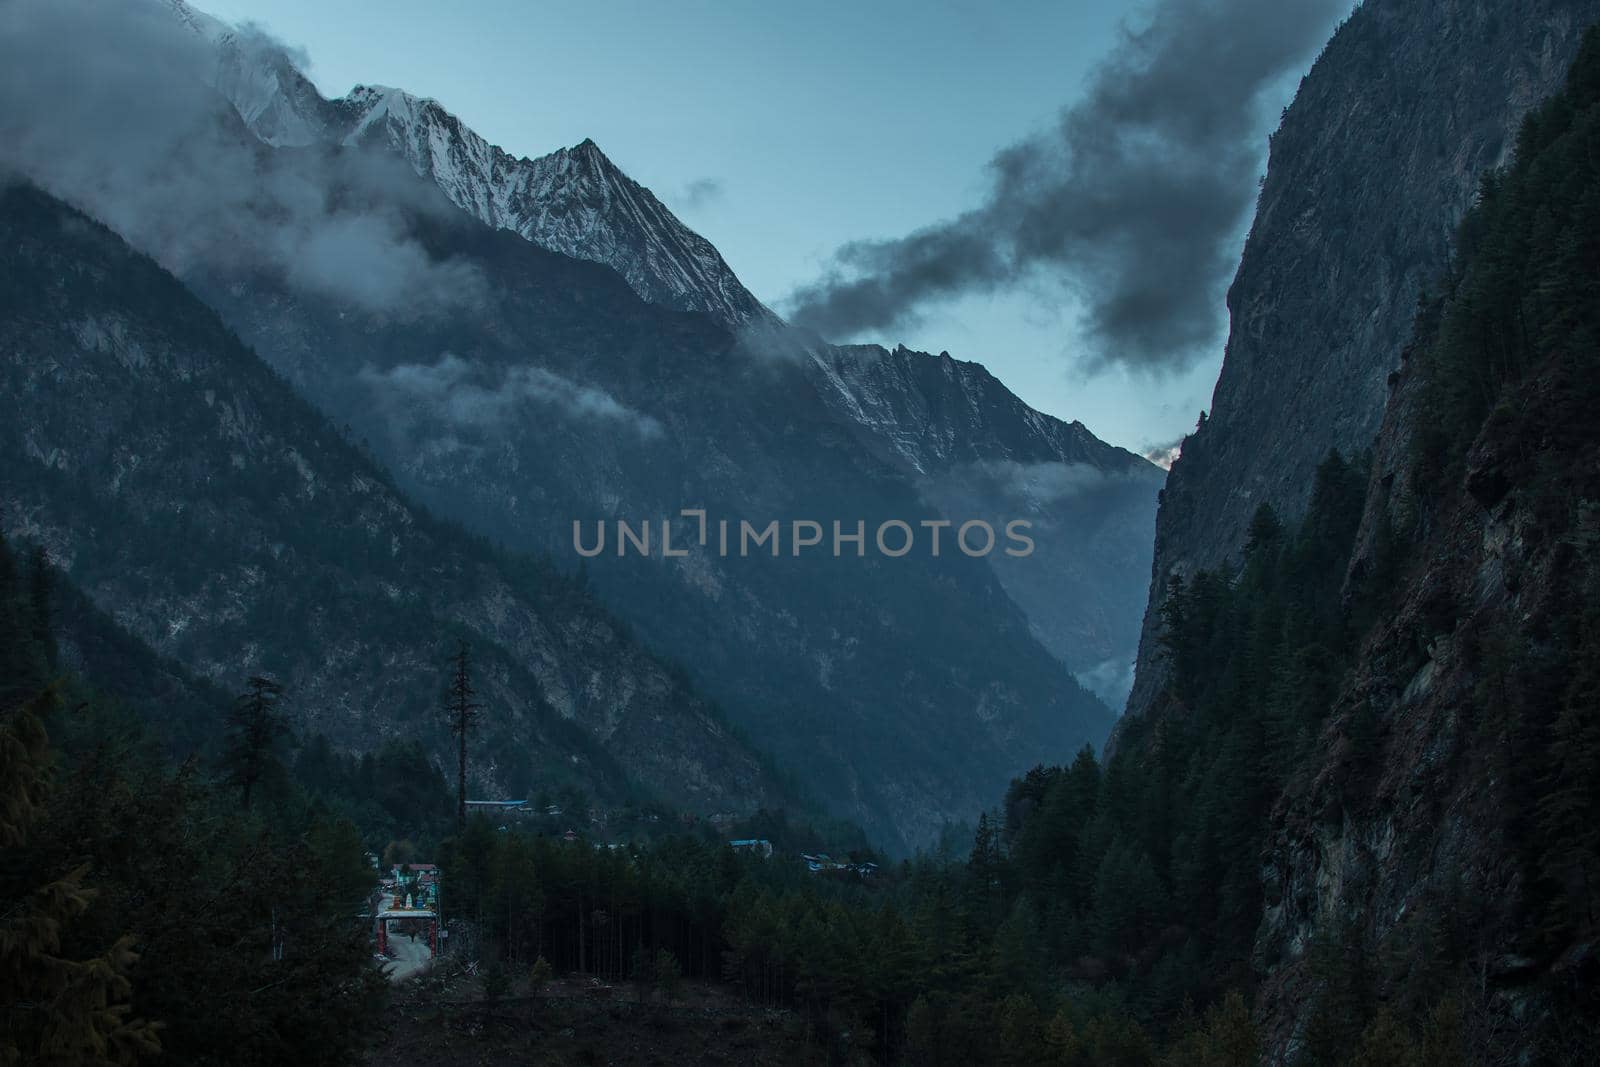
{"points": [[1569, 808], [56, 1010], [463, 709], [255, 728], [17, 674], [41, 585]]}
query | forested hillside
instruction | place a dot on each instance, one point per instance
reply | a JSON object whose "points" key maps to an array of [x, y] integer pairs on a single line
{"points": [[142, 910]]}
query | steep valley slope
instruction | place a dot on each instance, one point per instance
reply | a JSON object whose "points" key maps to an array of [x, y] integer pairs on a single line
{"points": [[209, 510]]}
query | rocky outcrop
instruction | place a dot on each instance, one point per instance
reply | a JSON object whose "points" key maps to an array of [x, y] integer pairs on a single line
{"points": [[1375, 162]]}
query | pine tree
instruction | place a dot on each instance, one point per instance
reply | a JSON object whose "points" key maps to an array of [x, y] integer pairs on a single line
{"points": [[41, 586], [255, 728], [56, 1010], [666, 974], [983, 866], [1226, 1037], [463, 710], [19, 676], [1569, 809]]}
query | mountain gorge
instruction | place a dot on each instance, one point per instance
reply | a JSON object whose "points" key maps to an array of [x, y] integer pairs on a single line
{"points": [[565, 399], [526, 345]]}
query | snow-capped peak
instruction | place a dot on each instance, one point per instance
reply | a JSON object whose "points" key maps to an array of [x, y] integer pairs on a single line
{"points": [[208, 26], [574, 201]]}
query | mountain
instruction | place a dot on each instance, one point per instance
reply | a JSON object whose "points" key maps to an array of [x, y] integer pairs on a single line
{"points": [[212, 513], [900, 688], [518, 390], [1375, 162], [1362, 821], [1449, 812], [963, 437], [974, 448], [573, 201]]}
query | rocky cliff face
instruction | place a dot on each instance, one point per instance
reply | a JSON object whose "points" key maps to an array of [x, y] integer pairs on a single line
{"points": [[1376, 161], [1428, 822], [211, 512], [1449, 815]]}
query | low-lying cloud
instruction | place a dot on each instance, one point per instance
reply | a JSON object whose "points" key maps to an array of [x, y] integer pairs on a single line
{"points": [[1165, 455], [700, 193], [1111, 680], [463, 395], [1046, 491], [109, 106], [1134, 200], [1036, 485]]}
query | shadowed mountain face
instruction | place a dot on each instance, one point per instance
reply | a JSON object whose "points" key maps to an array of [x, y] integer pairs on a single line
{"points": [[973, 448], [904, 689], [211, 512]]}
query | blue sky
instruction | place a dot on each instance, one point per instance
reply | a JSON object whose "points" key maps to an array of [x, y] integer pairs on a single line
{"points": [[801, 126]]}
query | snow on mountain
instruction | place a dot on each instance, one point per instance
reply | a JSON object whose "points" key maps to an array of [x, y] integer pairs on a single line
{"points": [[574, 201], [577, 202], [277, 101]]}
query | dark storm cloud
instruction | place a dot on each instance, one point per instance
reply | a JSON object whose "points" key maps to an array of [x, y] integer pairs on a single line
{"points": [[109, 106], [1133, 200]]}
